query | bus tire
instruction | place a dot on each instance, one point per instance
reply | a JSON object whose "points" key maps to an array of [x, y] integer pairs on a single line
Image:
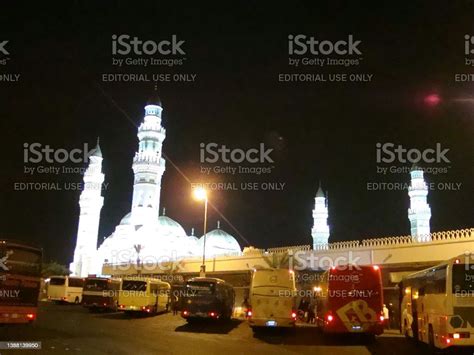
{"points": [[369, 338], [256, 330]]}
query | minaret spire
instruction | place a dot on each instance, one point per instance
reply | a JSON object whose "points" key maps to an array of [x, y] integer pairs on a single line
{"points": [[90, 202], [419, 212], [148, 165], [320, 230]]}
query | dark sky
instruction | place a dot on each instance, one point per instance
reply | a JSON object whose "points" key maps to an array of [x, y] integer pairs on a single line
{"points": [[319, 130]]}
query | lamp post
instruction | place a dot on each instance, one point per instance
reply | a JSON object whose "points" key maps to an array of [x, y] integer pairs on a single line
{"points": [[200, 194]]}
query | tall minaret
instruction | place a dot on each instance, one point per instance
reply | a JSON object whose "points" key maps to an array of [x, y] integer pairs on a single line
{"points": [[148, 166], [90, 202], [419, 212], [320, 230]]}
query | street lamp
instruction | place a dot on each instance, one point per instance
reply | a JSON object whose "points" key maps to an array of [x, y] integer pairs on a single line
{"points": [[200, 194]]}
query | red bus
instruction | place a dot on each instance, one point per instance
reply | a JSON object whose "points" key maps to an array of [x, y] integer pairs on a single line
{"points": [[20, 282], [349, 299]]}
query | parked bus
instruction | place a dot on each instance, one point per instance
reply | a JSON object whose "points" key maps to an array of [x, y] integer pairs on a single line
{"points": [[272, 299], [147, 295], [101, 293], [207, 297], [437, 304], [20, 282], [349, 299], [65, 289]]}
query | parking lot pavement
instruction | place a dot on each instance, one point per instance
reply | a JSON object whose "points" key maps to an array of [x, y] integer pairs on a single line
{"points": [[72, 329]]}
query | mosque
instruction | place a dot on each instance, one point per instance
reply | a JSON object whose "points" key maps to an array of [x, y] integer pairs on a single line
{"points": [[144, 235]]}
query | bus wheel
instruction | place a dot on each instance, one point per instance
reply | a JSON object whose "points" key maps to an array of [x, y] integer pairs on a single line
{"points": [[369, 338], [76, 301]]}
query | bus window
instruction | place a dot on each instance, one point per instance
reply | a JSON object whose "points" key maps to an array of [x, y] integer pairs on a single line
{"points": [[57, 281], [200, 288], [134, 285], [463, 278], [75, 282], [435, 281], [96, 285], [22, 261]]}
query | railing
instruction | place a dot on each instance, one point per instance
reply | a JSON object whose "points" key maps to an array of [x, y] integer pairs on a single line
{"points": [[453, 235]]}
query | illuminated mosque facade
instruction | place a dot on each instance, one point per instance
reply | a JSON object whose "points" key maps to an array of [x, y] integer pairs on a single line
{"points": [[144, 235]]}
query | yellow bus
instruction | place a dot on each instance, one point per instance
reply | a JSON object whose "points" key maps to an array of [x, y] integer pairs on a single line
{"points": [[65, 289], [146, 295], [437, 304], [272, 299]]}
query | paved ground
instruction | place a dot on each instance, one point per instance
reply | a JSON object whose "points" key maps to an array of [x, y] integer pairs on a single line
{"points": [[65, 329]]}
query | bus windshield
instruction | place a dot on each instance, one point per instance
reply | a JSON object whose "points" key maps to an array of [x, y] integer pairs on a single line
{"points": [[96, 285], [134, 285], [20, 280], [463, 278], [200, 288], [20, 261], [282, 279], [57, 281]]}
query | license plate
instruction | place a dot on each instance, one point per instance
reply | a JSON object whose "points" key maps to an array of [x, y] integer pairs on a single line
{"points": [[271, 323], [357, 328]]}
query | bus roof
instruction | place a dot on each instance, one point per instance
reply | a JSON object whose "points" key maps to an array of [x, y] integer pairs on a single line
{"points": [[207, 279], [20, 244], [416, 274], [144, 279]]}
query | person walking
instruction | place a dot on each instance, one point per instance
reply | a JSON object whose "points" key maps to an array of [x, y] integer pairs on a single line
{"points": [[386, 317]]}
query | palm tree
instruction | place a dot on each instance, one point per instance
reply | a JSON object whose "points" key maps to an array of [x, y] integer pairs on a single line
{"points": [[277, 261]]}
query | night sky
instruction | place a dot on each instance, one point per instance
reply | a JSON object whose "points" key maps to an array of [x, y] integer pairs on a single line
{"points": [[320, 131]]}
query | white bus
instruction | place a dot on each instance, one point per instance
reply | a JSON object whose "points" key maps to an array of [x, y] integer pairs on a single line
{"points": [[65, 289], [437, 304], [272, 299], [146, 295]]}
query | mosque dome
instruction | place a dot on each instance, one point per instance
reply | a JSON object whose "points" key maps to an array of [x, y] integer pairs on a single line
{"points": [[219, 242], [169, 226]]}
